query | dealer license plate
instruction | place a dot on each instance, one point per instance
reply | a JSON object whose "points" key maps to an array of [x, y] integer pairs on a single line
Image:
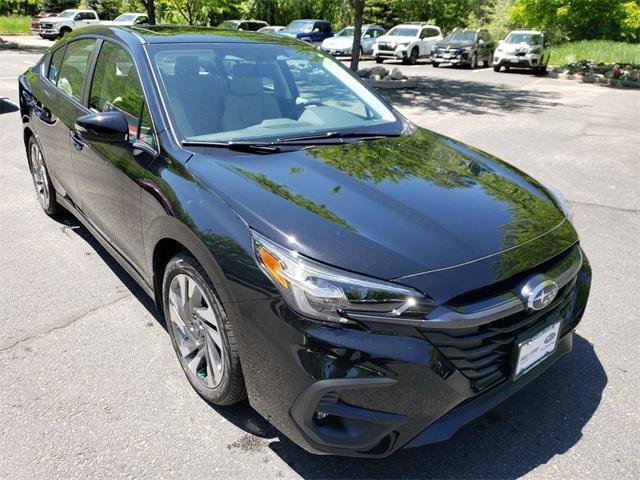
{"points": [[532, 351]]}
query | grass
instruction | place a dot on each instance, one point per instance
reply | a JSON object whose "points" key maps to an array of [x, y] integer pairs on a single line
{"points": [[15, 24], [600, 51]]}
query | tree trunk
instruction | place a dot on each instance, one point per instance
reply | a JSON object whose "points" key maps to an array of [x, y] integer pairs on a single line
{"points": [[150, 7], [358, 8]]}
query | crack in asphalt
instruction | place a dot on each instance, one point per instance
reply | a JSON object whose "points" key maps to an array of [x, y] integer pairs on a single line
{"points": [[610, 207], [64, 325]]}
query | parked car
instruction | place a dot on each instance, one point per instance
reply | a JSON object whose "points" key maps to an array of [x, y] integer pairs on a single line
{"points": [[271, 29], [407, 42], [464, 47], [35, 21], [311, 31], [368, 284], [58, 26], [342, 42], [251, 25], [128, 19], [523, 49]]}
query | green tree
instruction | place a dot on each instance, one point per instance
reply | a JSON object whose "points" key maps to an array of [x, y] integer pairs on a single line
{"points": [[631, 20], [106, 9], [57, 6]]}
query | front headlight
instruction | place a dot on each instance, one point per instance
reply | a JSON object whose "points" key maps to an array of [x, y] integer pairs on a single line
{"points": [[326, 293], [561, 202], [404, 44]]}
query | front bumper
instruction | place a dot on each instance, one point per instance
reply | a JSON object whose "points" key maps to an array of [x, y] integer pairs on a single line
{"points": [[336, 51], [526, 61], [400, 53], [46, 32], [368, 391], [456, 59]]}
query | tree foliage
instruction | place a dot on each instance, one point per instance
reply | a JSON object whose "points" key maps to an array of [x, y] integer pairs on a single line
{"points": [[579, 19]]}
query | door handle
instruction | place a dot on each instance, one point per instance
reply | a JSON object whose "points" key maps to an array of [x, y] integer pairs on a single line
{"points": [[78, 143]]}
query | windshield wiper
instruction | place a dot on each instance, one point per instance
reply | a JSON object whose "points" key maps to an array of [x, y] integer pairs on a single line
{"points": [[252, 147], [274, 146], [333, 135]]}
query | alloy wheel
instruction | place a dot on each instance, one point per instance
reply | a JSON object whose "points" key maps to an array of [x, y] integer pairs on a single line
{"points": [[197, 330], [39, 175]]}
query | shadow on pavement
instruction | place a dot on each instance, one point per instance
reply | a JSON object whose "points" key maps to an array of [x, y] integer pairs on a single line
{"points": [[543, 420], [475, 98]]}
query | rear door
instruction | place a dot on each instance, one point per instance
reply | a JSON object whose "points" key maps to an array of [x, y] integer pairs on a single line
{"points": [[109, 176], [58, 98]]}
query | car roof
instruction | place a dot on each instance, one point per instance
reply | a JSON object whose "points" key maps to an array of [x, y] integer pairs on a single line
{"points": [[525, 31], [151, 34]]}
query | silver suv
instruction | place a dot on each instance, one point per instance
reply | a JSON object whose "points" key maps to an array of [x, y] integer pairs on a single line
{"points": [[523, 49]]}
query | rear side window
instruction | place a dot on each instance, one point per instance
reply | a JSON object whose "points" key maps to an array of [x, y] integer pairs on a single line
{"points": [[116, 87], [74, 67], [54, 65]]}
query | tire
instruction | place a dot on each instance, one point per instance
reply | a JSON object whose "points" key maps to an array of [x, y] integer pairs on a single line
{"points": [[45, 190], [64, 31], [201, 333], [474, 62], [496, 68], [435, 64], [488, 60], [413, 57], [379, 60]]}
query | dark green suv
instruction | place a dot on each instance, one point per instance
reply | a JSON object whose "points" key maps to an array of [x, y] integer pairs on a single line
{"points": [[464, 47]]}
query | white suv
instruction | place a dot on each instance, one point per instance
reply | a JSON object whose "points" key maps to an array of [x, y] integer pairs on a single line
{"points": [[407, 42], [523, 49], [67, 21]]}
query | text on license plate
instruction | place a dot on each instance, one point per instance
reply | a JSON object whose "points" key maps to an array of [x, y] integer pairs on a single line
{"points": [[537, 348]]}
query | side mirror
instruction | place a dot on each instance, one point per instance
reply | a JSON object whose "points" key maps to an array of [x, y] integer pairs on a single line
{"points": [[367, 35], [316, 30], [104, 127]]}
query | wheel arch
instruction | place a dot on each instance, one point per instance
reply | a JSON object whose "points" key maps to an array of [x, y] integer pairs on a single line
{"points": [[167, 237]]}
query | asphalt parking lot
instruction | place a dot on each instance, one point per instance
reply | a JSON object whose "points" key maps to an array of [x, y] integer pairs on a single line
{"points": [[90, 388]]}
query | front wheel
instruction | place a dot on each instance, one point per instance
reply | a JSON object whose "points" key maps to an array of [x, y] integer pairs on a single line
{"points": [[413, 57], [64, 31], [435, 64], [474, 62], [379, 60], [201, 333], [41, 180], [496, 68]]}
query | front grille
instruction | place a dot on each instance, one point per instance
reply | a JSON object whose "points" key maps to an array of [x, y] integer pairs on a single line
{"points": [[485, 353], [385, 46], [442, 51], [46, 25]]}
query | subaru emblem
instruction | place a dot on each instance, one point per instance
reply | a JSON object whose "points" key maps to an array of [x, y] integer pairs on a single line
{"points": [[541, 294]]}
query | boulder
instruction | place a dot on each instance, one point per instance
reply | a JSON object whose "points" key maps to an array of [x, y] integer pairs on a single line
{"points": [[396, 74], [364, 72], [381, 71]]}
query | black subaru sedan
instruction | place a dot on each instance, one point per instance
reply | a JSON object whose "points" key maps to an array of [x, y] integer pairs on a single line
{"points": [[369, 285]]}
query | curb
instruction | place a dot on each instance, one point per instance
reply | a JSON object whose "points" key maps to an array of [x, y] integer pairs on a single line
{"points": [[595, 80]]}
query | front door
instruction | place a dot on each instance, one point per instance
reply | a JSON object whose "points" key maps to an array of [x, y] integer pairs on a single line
{"points": [[109, 176]]}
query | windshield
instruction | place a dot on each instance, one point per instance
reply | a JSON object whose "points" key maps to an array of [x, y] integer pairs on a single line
{"points": [[530, 38], [461, 37], [125, 18], [67, 13], [238, 92], [403, 32], [300, 26], [345, 32], [229, 25]]}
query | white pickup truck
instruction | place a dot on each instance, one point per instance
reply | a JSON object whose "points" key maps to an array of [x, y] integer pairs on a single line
{"points": [[67, 21]]}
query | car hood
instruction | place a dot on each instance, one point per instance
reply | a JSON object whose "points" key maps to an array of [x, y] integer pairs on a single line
{"points": [[385, 208], [55, 19], [396, 38], [455, 44], [338, 42]]}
